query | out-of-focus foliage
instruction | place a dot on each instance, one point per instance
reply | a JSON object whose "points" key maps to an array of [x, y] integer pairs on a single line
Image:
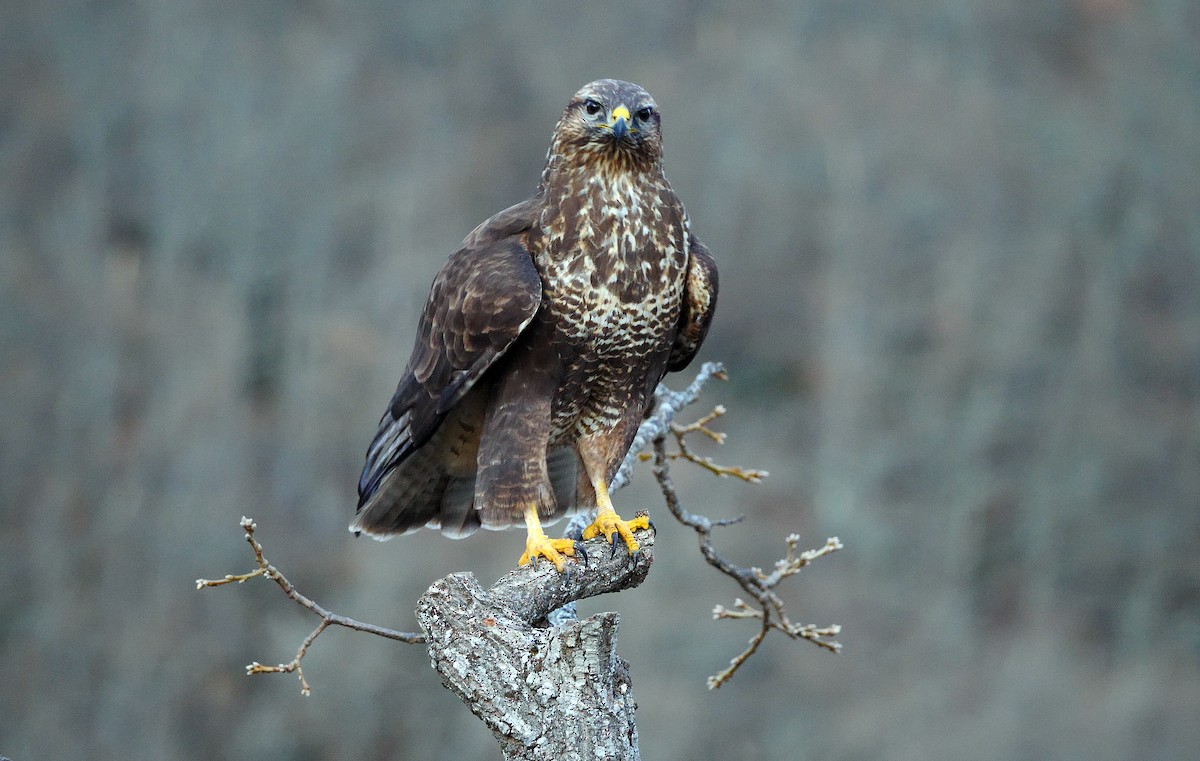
{"points": [[960, 251]]}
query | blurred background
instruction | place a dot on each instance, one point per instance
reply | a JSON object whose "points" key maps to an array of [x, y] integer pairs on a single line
{"points": [[960, 253]]}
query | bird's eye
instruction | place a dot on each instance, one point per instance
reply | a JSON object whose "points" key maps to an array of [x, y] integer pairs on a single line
{"points": [[593, 107], [645, 113]]}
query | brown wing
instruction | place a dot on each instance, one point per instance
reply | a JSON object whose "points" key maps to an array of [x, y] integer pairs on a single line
{"points": [[698, 306], [484, 296]]}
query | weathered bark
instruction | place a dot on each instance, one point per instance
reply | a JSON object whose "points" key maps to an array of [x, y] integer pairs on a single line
{"points": [[546, 692]]}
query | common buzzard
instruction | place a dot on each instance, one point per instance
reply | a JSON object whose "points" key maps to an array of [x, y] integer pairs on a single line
{"points": [[543, 339]]}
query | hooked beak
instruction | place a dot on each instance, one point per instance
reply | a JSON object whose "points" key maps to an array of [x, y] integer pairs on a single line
{"points": [[620, 122]]}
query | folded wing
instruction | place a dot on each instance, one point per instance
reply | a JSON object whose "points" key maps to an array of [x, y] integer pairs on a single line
{"points": [[483, 298], [700, 301]]}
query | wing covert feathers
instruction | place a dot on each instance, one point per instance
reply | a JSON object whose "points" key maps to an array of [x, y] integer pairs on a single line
{"points": [[482, 299], [699, 304]]}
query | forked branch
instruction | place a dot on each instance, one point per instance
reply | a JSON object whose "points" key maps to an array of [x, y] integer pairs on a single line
{"points": [[701, 426], [753, 580], [268, 571]]}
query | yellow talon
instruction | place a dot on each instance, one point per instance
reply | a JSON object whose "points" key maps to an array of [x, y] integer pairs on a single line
{"points": [[608, 524], [537, 544]]}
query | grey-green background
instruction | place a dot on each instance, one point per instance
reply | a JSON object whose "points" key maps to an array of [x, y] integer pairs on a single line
{"points": [[960, 254]]}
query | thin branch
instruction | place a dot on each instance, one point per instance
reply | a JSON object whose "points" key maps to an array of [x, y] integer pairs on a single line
{"points": [[268, 571], [735, 663], [701, 425], [680, 432], [294, 664], [754, 581]]}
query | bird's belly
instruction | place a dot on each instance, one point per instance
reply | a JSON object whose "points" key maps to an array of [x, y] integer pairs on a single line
{"points": [[609, 350], [591, 400]]}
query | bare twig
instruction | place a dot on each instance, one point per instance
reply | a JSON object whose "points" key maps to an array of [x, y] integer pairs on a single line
{"points": [[294, 664], [268, 571], [701, 426], [754, 581]]}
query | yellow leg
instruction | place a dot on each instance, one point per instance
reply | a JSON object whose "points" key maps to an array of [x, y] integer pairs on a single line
{"points": [[608, 523], [538, 544]]}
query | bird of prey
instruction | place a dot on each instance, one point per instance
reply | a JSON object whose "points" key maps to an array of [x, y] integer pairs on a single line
{"points": [[542, 341]]}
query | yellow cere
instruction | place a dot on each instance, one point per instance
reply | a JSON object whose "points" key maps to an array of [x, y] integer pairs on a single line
{"points": [[620, 112]]}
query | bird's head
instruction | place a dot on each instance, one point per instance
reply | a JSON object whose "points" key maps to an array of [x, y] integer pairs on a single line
{"points": [[610, 121]]}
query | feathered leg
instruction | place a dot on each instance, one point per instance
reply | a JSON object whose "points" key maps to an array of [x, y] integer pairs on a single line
{"points": [[596, 454], [513, 480]]}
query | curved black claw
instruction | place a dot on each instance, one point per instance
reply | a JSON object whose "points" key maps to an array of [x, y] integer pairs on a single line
{"points": [[613, 543], [652, 529], [636, 556], [581, 553]]}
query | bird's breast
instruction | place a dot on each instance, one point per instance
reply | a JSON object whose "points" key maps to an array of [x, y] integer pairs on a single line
{"points": [[619, 290], [613, 259], [613, 243]]}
